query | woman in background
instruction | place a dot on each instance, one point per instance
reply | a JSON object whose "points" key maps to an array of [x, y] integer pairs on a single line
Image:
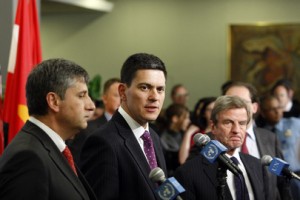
{"points": [[177, 119], [200, 124]]}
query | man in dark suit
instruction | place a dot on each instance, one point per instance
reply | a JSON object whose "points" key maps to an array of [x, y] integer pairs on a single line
{"points": [[259, 141], [229, 119], [283, 91], [111, 100], [37, 164], [117, 158]]}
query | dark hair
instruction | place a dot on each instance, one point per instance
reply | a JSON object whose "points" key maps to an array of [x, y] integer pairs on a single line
{"points": [[284, 83], [225, 85], [264, 99], [140, 61], [53, 75], [175, 88], [174, 110], [109, 83], [198, 115], [252, 90]]}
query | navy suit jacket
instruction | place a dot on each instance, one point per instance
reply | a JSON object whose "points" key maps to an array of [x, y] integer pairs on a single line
{"points": [[77, 142], [32, 167], [115, 165], [199, 178]]}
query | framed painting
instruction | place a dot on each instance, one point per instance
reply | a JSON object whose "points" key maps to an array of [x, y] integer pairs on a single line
{"points": [[263, 54]]}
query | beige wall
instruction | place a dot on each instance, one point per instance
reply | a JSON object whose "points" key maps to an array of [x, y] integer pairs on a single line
{"points": [[190, 36]]}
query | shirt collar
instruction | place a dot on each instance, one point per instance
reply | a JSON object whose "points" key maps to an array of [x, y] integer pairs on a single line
{"points": [[250, 132], [288, 106], [136, 128], [58, 141]]}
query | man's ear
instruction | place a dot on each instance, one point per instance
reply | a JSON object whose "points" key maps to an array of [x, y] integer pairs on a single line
{"points": [[291, 94], [255, 107], [53, 101], [212, 126], [122, 88]]}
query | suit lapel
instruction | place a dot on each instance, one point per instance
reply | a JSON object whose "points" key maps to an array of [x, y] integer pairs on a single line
{"points": [[251, 169], [133, 146], [56, 156], [211, 170]]}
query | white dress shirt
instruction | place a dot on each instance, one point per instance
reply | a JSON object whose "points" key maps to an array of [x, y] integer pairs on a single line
{"points": [[136, 128], [58, 141], [230, 178], [251, 143]]}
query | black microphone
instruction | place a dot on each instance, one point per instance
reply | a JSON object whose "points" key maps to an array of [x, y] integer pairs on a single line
{"points": [[169, 188], [278, 167], [216, 151]]}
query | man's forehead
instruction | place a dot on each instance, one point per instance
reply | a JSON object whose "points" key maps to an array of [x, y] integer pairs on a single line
{"points": [[233, 113]]}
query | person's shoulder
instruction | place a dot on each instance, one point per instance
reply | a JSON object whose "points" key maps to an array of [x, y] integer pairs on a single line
{"points": [[25, 149], [293, 122], [263, 132], [293, 119], [197, 162], [249, 158]]}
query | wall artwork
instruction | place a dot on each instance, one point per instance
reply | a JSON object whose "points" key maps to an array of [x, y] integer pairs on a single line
{"points": [[262, 54]]}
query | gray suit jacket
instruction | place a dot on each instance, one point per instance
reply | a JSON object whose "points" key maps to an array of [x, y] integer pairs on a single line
{"points": [[268, 144], [199, 178], [32, 167], [115, 165]]}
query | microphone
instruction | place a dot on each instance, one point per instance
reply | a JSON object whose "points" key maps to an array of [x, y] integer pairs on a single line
{"points": [[169, 189], [213, 150], [278, 167], [201, 139]]}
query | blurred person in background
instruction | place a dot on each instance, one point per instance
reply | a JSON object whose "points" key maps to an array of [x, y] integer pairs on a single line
{"points": [[284, 92], [177, 120], [111, 101], [200, 124]]}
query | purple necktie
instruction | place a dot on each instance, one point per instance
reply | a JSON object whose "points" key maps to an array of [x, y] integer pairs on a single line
{"points": [[149, 149]]}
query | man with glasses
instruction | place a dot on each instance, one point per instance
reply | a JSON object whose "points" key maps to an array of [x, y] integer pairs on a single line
{"points": [[288, 133]]}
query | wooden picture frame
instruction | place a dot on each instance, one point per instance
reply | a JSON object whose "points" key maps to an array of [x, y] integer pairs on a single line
{"points": [[263, 54]]}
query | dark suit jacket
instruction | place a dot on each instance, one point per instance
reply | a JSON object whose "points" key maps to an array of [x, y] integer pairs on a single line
{"points": [[199, 178], [76, 143], [115, 165], [294, 112], [32, 167], [268, 144]]}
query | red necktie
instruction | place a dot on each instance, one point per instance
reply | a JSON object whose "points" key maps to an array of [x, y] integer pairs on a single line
{"points": [[149, 149], [244, 148], [67, 153]]}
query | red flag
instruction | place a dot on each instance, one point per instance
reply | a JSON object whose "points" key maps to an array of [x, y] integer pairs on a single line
{"points": [[1, 117], [25, 53]]}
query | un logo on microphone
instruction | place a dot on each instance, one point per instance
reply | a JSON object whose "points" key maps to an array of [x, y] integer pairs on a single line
{"points": [[212, 150], [169, 189], [166, 192]]}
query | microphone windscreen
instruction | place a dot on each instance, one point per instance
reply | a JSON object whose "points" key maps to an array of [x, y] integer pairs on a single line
{"points": [[201, 139], [266, 160], [157, 175]]}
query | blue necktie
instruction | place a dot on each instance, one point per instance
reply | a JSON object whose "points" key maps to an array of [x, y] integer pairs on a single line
{"points": [[240, 185]]}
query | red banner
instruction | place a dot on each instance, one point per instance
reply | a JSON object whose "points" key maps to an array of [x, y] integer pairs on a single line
{"points": [[25, 53]]}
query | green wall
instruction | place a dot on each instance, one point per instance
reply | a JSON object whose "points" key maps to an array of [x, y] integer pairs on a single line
{"points": [[190, 36]]}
